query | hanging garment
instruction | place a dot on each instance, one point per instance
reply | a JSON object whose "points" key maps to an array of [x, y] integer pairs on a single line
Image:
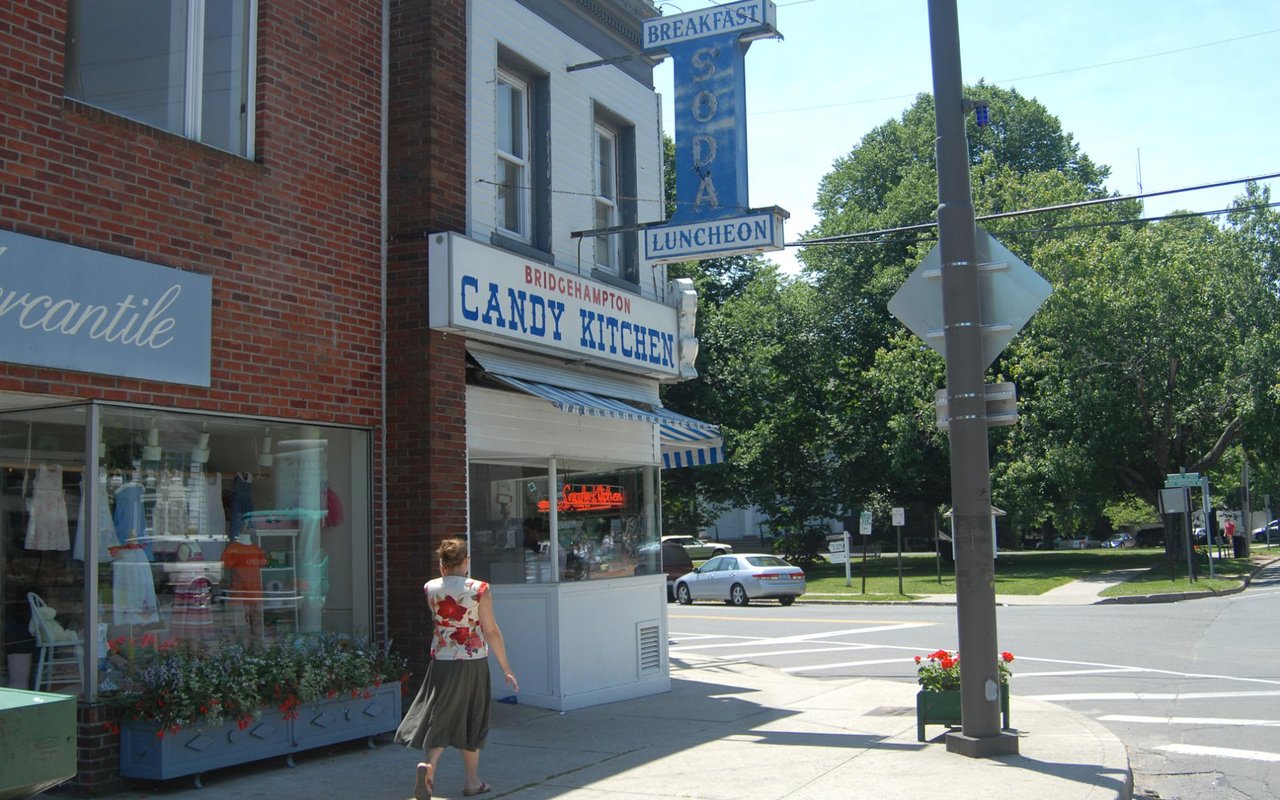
{"points": [[105, 527], [333, 504], [47, 524], [214, 518], [131, 519], [171, 515], [133, 592], [241, 500]]}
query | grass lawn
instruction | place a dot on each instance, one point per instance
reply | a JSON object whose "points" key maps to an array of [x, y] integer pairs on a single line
{"points": [[1228, 573], [1025, 573]]}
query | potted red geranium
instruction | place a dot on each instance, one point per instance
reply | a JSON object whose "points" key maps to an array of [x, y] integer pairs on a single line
{"points": [[938, 701]]}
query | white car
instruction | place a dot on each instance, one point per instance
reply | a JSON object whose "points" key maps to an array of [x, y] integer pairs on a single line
{"points": [[739, 579], [699, 549]]}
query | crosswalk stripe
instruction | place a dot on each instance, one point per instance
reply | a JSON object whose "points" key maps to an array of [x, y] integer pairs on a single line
{"points": [[1059, 698], [1222, 721], [809, 637], [816, 667], [1221, 752]]}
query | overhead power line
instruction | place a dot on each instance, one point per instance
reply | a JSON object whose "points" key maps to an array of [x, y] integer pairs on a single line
{"points": [[856, 237]]}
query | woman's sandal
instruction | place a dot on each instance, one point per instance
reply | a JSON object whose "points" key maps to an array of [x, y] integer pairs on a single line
{"points": [[481, 789], [422, 786]]}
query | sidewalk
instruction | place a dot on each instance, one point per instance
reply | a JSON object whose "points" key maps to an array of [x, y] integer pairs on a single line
{"points": [[722, 733]]}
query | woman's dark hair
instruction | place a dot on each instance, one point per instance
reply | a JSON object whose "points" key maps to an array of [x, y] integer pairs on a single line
{"points": [[452, 552]]}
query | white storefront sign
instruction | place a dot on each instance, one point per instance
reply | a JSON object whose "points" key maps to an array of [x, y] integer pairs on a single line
{"points": [[496, 295]]}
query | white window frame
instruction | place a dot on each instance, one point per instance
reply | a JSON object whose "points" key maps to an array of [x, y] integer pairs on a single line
{"points": [[604, 201], [522, 164], [191, 122]]}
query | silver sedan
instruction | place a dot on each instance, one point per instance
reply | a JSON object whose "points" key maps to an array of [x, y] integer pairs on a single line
{"points": [[739, 579]]}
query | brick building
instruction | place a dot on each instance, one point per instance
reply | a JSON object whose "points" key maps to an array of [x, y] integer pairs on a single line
{"points": [[312, 279]]}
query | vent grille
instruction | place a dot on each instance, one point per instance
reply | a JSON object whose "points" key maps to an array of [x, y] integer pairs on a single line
{"points": [[649, 647]]}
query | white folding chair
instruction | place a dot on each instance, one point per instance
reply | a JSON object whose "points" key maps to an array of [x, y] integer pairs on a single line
{"points": [[54, 653]]}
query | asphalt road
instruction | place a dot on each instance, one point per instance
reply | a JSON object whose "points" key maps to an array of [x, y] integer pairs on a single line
{"points": [[1192, 688]]}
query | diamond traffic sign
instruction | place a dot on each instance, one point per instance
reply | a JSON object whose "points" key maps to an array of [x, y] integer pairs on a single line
{"points": [[1011, 294]]}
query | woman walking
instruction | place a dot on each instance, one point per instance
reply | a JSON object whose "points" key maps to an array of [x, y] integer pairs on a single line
{"points": [[452, 707]]}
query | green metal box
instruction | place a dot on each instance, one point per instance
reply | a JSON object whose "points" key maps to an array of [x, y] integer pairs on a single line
{"points": [[37, 741]]}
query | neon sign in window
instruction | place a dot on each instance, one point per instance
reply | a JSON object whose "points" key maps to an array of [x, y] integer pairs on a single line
{"points": [[586, 497]]}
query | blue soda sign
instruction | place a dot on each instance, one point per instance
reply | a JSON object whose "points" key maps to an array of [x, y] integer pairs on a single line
{"points": [[713, 218]]}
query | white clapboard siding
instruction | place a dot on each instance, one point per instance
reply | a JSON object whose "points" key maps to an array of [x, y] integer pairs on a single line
{"points": [[572, 94], [501, 423]]}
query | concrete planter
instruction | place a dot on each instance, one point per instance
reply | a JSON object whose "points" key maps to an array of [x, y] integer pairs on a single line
{"points": [[943, 708], [199, 748]]}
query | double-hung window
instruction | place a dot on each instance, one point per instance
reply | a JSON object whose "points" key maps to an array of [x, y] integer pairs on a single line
{"points": [[184, 66], [513, 157], [606, 196], [613, 195]]}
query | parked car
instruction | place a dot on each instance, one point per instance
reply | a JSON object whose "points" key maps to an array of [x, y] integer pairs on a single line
{"points": [[739, 579], [1120, 539], [1260, 534], [1078, 543], [668, 557], [697, 548]]}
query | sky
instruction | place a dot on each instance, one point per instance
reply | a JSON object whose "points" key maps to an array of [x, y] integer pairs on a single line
{"points": [[1167, 93]]}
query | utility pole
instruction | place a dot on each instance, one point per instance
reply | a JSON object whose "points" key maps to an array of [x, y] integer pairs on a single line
{"points": [[980, 734]]}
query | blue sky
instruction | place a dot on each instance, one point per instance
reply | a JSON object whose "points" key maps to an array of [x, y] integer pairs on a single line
{"points": [[1189, 92]]}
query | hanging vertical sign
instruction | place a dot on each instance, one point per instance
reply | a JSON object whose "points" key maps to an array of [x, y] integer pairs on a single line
{"points": [[708, 49]]}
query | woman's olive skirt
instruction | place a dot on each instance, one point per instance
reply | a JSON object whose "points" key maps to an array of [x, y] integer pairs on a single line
{"points": [[451, 709]]}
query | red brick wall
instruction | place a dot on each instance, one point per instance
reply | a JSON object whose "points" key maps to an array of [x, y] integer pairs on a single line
{"points": [[426, 407], [291, 239], [98, 761]]}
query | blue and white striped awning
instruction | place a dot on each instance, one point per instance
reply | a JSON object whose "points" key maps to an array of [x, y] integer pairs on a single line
{"points": [[686, 442]]}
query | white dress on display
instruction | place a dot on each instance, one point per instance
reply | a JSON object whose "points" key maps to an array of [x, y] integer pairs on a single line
{"points": [[133, 591], [106, 527], [47, 524]]}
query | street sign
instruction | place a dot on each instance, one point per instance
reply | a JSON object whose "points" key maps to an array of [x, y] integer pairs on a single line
{"points": [[899, 516], [1011, 293], [864, 523], [1182, 480]]}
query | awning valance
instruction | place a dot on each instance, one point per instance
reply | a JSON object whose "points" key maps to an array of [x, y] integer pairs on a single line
{"points": [[686, 441]]}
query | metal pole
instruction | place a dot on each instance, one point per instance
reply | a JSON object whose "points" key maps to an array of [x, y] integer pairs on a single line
{"points": [[1186, 530], [980, 735], [1208, 529], [899, 529], [1246, 528], [864, 563]]}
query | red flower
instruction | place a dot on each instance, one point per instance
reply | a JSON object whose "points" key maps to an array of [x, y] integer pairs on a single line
{"points": [[451, 609], [460, 635], [1006, 656], [917, 659]]}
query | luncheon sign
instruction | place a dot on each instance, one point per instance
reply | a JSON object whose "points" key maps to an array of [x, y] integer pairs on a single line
{"points": [[712, 218]]}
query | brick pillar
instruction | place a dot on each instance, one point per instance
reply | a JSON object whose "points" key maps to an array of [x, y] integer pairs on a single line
{"points": [[97, 753], [426, 400]]}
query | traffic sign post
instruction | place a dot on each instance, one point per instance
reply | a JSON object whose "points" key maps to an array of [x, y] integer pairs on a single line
{"points": [[864, 528], [899, 519]]}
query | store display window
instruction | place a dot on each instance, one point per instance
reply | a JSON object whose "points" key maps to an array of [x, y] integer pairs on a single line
{"points": [[124, 527], [604, 518]]}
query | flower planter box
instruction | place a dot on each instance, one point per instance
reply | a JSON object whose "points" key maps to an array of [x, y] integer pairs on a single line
{"points": [[345, 718], [199, 748], [943, 708]]}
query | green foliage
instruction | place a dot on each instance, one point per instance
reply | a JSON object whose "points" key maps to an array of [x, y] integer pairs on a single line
{"points": [[801, 546], [1130, 511], [174, 684]]}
